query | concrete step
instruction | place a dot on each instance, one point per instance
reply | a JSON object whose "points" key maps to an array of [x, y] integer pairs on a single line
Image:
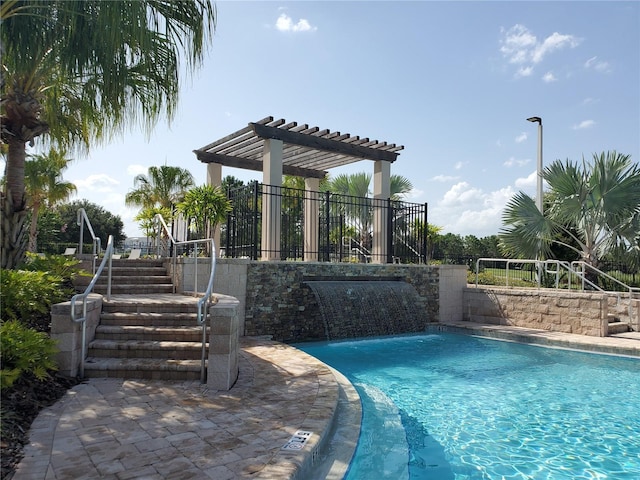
{"points": [[148, 319], [145, 349], [143, 368], [135, 332], [161, 303], [134, 279], [126, 272], [617, 327], [134, 289], [139, 263]]}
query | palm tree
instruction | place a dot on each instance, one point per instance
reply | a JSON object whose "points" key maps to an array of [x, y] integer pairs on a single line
{"points": [[44, 186], [147, 219], [76, 72], [204, 208], [163, 187], [160, 190], [596, 205]]}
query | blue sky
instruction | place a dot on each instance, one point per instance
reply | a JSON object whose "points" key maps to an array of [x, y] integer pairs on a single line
{"points": [[451, 81]]}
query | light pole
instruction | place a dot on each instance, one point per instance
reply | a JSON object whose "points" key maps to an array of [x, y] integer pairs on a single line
{"points": [[538, 120]]}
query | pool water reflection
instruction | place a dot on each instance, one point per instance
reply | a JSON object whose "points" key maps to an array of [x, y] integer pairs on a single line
{"points": [[454, 407]]}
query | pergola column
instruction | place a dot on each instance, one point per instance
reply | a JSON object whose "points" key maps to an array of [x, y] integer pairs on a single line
{"points": [[271, 198], [381, 193], [214, 178], [311, 218]]}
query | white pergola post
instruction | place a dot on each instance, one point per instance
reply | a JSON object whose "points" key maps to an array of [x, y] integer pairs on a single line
{"points": [[381, 193], [214, 178], [311, 219], [271, 199]]}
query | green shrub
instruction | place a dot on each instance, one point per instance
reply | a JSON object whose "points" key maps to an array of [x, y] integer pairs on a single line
{"points": [[24, 294], [24, 351], [61, 266]]}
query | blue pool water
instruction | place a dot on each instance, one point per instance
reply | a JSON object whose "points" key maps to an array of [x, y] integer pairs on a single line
{"points": [[456, 407]]}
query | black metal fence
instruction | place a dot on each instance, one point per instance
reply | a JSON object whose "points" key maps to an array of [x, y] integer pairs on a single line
{"points": [[343, 229]]}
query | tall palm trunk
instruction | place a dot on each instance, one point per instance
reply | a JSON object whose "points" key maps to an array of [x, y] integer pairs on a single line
{"points": [[13, 211], [33, 230]]}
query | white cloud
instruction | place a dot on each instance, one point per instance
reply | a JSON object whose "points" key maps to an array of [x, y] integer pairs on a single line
{"points": [[466, 210], [584, 124], [521, 138], [512, 162], [555, 41], [524, 72], [100, 182], [517, 44], [135, 169], [549, 77], [459, 165], [444, 178], [597, 65], [286, 24], [527, 182], [461, 194], [414, 194], [521, 47]]}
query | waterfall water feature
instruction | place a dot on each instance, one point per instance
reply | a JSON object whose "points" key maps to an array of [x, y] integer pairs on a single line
{"points": [[352, 309]]}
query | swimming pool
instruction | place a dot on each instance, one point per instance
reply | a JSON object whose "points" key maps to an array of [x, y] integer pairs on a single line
{"points": [[457, 407]]}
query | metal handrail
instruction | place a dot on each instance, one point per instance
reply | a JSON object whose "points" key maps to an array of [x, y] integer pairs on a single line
{"points": [[585, 266], [97, 248], [205, 302], [106, 261]]}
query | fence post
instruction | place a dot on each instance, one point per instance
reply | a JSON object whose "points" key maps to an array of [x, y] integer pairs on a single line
{"points": [[390, 218], [254, 254], [425, 233], [327, 220]]}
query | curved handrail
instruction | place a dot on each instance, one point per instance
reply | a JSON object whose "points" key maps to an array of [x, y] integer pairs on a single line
{"points": [[204, 302], [97, 247], [106, 260]]}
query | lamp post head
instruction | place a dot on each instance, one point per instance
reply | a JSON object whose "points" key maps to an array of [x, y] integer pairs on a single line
{"points": [[535, 120]]}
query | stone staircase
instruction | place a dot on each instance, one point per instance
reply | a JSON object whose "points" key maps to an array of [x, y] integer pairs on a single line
{"points": [[134, 277], [145, 330]]}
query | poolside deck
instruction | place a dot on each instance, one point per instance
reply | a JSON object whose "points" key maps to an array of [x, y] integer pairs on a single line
{"points": [[126, 429]]}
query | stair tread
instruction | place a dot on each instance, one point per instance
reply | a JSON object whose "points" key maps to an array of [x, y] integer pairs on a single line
{"points": [[142, 329], [132, 364], [124, 315], [143, 345]]}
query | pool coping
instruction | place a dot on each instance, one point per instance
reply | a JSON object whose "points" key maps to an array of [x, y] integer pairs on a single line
{"points": [[604, 345]]}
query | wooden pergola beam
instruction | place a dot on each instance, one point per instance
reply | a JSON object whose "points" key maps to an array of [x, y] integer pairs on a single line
{"points": [[321, 143], [255, 165]]}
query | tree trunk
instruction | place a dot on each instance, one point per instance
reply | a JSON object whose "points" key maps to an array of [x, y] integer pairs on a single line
{"points": [[33, 230], [14, 233], [13, 211], [16, 157]]}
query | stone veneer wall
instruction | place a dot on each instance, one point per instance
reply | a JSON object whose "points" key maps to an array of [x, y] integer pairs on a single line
{"points": [[553, 310], [278, 302]]}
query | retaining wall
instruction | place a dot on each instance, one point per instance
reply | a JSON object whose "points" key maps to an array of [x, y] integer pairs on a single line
{"points": [[553, 310]]}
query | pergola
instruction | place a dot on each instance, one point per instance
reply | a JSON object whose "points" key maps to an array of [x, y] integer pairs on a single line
{"points": [[278, 148]]}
